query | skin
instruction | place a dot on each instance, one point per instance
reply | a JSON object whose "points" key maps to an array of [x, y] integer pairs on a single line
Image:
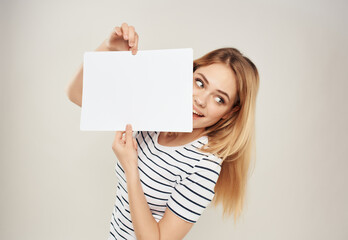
{"points": [[122, 38], [207, 100]]}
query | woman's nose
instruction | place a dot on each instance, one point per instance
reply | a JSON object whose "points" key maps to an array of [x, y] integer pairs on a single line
{"points": [[200, 101]]}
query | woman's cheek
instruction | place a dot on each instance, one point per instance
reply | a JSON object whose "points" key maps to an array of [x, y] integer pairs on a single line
{"points": [[218, 113], [214, 113]]}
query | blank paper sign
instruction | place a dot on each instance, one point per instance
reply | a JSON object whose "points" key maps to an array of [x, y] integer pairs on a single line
{"points": [[151, 90]]}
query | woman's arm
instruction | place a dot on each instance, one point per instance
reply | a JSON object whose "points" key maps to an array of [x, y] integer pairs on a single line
{"points": [[120, 39], [74, 88], [145, 226]]}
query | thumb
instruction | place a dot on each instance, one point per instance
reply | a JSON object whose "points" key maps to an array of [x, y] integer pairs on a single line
{"points": [[129, 136], [135, 144]]}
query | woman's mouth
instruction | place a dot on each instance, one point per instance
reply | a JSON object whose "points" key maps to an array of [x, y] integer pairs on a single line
{"points": [[195, 114]]}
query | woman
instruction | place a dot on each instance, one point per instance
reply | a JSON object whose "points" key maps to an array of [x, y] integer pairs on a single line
{"points": [[166, 180]]}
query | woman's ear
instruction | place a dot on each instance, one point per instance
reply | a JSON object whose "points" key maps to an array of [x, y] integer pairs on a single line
{"points": [[230, 113]]}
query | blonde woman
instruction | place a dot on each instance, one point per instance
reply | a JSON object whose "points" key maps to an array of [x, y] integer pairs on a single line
{"points": [[167, 179]]}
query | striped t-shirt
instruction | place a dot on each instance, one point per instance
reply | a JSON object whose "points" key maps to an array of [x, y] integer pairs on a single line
{"points": [[181, 178]]}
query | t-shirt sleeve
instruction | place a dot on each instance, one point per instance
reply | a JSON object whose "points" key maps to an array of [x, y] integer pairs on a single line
{"points": [[193, 194]]}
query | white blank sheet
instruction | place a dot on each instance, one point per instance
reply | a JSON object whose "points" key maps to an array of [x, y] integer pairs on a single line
{"points": [[151, 90]]}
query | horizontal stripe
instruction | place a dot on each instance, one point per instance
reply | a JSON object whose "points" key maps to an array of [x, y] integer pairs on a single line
{"points": [[155, 210], [199, 205], [124, 180], [181, 178], [208, 169], [119, 200], [177, 160], [159, 150], [123, 214], [199, 195], [163, 159], [155, 171], [157, 205], [157, 164], [117, 232], [195, 152], [123, 231], [163, 199], [187, 156], [112, 224], [123, 187], [211, 161], [167, 185], [201, 186], [189, 220], [119, 220], [208, 179], [153, 188], [184, 206], [125, 200], [198, 147], [112, 235], [119, 166]]}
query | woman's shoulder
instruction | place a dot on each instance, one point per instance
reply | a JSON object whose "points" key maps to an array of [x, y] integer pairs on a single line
{"points": [[210, 161], [190, 150], [206, 158]]}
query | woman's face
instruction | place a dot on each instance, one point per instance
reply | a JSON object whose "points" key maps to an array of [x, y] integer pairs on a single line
{"points": [[214, 91]]}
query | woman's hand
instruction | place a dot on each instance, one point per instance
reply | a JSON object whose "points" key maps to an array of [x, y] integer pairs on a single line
{"points": [[126, 149], [123, 38]]}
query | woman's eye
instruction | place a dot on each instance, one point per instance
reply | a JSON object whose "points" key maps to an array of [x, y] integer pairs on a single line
{"points": [[199, 82], [219, 100]]}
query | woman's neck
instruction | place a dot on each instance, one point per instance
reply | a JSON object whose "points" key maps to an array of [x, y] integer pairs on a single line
{"points": [[188, 136]]}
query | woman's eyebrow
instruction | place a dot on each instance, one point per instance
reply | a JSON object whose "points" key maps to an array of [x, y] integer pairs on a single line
{"points": [[220, 91]]}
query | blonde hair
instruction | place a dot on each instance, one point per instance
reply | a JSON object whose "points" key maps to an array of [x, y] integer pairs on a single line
{"points": [[233, 139]]}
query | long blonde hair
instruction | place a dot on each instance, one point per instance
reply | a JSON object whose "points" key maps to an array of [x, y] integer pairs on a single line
{"points": [[233, 139]]}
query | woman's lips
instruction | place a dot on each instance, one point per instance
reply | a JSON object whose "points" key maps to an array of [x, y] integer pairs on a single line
{"points": [[194, 115], [197, 113]]}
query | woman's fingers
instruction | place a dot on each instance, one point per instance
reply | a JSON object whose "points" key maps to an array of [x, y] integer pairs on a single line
{"points": [[117, 140], [135, 47], [125, 137], [132, 40], [126, 33], [124, 28], [118, 31], [129, 137], [118, 135], [131, 36]]}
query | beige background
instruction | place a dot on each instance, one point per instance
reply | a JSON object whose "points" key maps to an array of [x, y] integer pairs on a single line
{"points": [[59, 183]]}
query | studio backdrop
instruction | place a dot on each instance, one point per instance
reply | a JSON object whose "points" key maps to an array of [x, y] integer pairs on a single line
{"points": [[58, 182]]}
